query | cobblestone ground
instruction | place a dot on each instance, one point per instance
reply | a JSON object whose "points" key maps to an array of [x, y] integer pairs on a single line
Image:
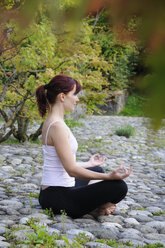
{"points": [[139, 218]]}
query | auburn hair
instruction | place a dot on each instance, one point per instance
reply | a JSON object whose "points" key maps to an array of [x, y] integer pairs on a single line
{"points": [[46, 94]]}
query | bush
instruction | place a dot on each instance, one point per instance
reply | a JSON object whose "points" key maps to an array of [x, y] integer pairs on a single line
{"points": [[135, 106], [126, 131]]}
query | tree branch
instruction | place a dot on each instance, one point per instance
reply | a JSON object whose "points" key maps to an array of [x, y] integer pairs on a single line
{"points": [[35, 135], [97, 18]]}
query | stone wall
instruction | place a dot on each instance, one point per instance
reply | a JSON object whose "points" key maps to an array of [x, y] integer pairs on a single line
{"points": [[115, 102]]}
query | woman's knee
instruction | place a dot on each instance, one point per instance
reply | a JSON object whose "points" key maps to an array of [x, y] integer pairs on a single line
{"points": [[123, 187]]}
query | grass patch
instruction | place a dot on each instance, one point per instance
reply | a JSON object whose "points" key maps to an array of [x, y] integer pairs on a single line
{"points": [[126, 131], [11, 141], [73, 123], [159, 213], [155, 245], [135, 106]]}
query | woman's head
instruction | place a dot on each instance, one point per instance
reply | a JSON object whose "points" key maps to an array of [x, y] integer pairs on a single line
{"points": [[47, 94]]}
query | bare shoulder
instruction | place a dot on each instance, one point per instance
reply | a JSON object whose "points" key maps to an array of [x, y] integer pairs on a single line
{"points": [[58, 129]]}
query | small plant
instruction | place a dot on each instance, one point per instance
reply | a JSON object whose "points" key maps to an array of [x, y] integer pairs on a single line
{"points": [[159, 213], [32, 222], [113, 243], [63, 214], [155, 245], [49, 212], [8, 190], [128, 243], [82, 239], [34, 195], [126, 131], [9, 236], [40, 236]]}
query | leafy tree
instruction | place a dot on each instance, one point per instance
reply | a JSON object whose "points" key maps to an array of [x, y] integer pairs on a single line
{"points": [[34, 60]]}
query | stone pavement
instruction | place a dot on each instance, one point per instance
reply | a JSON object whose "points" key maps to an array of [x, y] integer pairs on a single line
{"points": [[139, 218]]}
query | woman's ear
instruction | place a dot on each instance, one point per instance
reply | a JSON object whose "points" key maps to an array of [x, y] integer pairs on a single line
{"points": [[61, 97]]}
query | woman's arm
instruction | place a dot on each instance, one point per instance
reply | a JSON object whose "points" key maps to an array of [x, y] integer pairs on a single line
{"points": [[95, 160], [59, 137]]}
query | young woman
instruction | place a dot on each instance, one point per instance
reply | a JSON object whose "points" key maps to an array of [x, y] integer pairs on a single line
{"points": [[77, 188]]}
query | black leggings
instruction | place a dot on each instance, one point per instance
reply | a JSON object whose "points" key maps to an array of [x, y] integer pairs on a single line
{"points": [[79, 200]]}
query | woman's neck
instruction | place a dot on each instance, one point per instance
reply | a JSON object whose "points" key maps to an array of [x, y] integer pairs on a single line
{"points": [[56, 113]]}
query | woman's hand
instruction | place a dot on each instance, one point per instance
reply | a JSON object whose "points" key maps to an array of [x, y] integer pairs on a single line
{"points": [[120, 173], [96, 160]]}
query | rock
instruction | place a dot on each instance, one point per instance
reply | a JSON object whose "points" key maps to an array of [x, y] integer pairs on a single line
{"points": [[158, 225], [140, 212], [113, 227], [2, 230], [52, 231], [4, 244], [115, 102], [131, 233], [96, 245], [16, 161], [154, 209], [8, 169], [21, 235], [102, 233], [72, 233], [111, 218], [142, 218], [131, 222], [134, 242], [21, 171], [155, 236], [146, 229], [42, 218], [64, 227], [11, 204]]}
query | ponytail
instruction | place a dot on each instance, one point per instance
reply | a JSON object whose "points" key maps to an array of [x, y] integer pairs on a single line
{"points": [[47, 94], [41, 100]]}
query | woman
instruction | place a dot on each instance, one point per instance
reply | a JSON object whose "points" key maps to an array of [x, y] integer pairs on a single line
{"points": [[58, 188]]}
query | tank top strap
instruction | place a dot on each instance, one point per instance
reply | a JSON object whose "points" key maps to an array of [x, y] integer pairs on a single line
{"points": [[46, 136]]}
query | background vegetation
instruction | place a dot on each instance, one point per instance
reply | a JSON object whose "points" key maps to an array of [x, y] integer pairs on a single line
{"points": [[39, 39]]}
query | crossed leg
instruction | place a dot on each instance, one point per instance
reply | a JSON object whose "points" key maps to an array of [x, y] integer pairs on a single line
{"points": [[104, 209]]}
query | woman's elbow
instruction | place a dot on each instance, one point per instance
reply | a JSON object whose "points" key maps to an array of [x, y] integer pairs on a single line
{"points": [[72, 172]]}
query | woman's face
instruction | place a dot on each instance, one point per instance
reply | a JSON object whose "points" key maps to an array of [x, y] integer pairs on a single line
{"points": [[71, 99]]}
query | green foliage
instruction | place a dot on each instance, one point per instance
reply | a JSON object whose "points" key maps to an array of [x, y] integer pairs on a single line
{"points": [[126, 131], [34, 195], [159, 213], [82, 239], [123, 58], [154, 86], [40, 237], [155, 245], [135, 106], [48, 212], [42, 54], [11, 141], [73, 123]]}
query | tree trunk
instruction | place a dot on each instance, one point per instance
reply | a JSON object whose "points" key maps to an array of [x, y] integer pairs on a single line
{"points": [[35, 135], [21, 133]]}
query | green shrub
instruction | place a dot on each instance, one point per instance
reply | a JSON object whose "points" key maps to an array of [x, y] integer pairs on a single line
{"points": [[126, 131], [135, 106]]}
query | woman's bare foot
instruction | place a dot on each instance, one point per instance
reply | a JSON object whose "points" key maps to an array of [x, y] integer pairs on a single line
{"points": [[107, 208], [104, 209]]}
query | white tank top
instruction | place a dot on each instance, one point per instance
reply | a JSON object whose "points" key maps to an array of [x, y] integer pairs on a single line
{"points": [[54, 173]]}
